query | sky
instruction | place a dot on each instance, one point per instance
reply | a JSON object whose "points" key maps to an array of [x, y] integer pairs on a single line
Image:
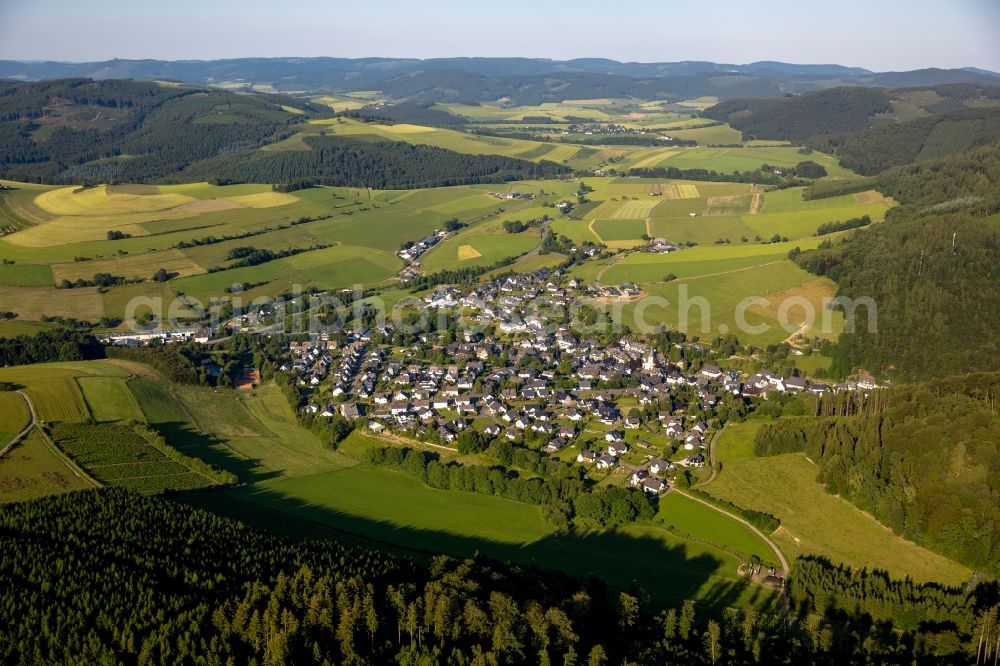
{"points": [[881, 35]]}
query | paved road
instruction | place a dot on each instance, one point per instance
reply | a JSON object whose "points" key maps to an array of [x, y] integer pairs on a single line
{"points": [[24, 433]]}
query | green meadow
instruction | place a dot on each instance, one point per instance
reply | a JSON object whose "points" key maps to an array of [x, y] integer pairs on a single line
{"points": [[367, 504], [31, 469], [812, 520], [691, 518]]}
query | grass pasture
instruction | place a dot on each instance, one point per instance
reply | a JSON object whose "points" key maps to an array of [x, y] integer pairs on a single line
{"points": [[619, 229], [812, 520], [707, 306], [33, 303], [689, 517], [131, 265], [416, 506], [254, 436], [701, 261], [368, 504], [31, 470], [13, 416], [25, 275]]}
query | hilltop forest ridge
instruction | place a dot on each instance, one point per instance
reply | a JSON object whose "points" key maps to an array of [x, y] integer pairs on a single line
{"points": [[498, 361], [522, 80]]}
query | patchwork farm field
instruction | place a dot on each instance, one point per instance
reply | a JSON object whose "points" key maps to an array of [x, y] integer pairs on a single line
{"points": [[256, 435], [812, 520], [55, 390], [363, 237], [362, 233]]}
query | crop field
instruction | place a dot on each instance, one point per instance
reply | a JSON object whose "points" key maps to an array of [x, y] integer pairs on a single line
{"points": [[102, 201], [337, 266], [462, 142], [812, 520], [728, 205], [55, 389], [619, 229], [58, 399], [708, 136], [87, 215], [17, 205], [109, 399], [689, 517], [32, 470], [119, 456], [33, 303], [634, 209], [129, 266]]}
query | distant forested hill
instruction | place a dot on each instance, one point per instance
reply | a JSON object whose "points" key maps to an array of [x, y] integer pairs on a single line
{"points": [[127, 130], [798, 118], [380, 164], [878, 148], [522, 80], [407, 112], [933, 269]]}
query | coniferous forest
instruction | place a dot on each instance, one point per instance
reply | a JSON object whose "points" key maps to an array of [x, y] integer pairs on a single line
{"points": [[110, 577]]}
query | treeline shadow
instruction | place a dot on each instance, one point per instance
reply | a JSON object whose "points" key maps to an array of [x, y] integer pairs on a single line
{"points": [[668, 573], [184, 437]]}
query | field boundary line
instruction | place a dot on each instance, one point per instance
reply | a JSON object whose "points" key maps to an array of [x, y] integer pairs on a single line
{"points": [[61, 455], [24, 433]]}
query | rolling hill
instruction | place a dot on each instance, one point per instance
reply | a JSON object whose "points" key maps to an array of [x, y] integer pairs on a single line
{"points": [[78, 130]]}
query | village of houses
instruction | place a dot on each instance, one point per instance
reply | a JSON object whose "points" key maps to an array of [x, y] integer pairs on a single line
{"points": [[623, 410]]}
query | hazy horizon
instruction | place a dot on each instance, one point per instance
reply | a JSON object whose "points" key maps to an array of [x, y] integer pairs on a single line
{"points": [[891, 35]]}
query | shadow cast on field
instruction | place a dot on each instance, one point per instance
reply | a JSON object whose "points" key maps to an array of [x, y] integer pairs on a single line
{"points": [[668, 572], [213, 450]]}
